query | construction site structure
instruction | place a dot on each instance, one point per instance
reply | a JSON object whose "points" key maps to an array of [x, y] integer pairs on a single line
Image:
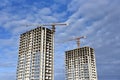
{"points": [[36, 54], [80, 63]]}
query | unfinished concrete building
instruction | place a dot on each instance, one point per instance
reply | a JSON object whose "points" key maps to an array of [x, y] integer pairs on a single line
{"points": [[36, 58], [80, 64]]}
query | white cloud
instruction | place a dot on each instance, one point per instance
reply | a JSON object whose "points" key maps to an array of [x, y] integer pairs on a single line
{"points": [[14, 22], [8, 42], [45, 11]]}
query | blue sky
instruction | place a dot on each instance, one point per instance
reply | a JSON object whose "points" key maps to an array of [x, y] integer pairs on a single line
{"points": [[99, 20]]}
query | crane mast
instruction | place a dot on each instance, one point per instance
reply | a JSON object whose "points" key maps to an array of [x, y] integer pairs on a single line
{"points": [[78, 40]]}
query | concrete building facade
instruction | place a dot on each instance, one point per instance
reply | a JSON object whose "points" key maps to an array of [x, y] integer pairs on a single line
{"points": [[36, 55], [80, 64]]}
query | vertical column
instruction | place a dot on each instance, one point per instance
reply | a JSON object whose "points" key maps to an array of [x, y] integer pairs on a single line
{"points": [[53, 55], [42, 69]]}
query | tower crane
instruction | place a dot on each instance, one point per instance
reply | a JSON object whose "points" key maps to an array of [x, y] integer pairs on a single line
{"points": [[51, 24], [77, 40]]}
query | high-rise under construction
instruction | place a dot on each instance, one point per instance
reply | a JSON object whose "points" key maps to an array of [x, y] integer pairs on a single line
{"points": [[80, 64], [36, 55]]}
